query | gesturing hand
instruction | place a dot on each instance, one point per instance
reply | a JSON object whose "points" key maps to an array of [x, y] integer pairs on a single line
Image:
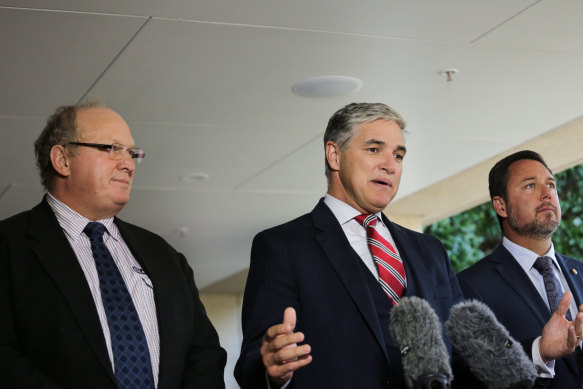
{"points": [[559, 335], [280, 351]]}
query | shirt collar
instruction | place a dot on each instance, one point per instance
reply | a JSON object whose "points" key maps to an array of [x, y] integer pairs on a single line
{"points": [[73, 223], [525, 257], [342, 211]]}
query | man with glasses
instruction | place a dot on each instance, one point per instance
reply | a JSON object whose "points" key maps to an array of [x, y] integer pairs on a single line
{"points": [[86, 299]]}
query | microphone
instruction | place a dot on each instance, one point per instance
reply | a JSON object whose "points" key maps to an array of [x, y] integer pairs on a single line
{"points": [[418, 332], [495, 358]]}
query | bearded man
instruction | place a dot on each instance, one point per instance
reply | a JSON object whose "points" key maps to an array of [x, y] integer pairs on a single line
{"points": [[534, 291]]}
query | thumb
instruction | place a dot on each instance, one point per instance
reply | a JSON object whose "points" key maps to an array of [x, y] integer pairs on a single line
{"points": [[564, 303], [289, 317]]}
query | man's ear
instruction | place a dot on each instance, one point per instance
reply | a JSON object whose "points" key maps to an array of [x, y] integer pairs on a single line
{"points": [[333, 155], [60, 160], [499, 206]]}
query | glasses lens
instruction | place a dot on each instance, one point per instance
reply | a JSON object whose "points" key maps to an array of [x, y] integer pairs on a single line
{"points": [[117, 151], [138, 154]]}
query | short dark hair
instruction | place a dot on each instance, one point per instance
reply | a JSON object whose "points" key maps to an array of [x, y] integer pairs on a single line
{"points": [[59, 130], [498, 177], [343, 123]]}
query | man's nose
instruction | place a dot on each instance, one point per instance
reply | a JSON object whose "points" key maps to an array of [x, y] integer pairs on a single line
{"points": [[546, 192], [388, 163], [127, 162]]}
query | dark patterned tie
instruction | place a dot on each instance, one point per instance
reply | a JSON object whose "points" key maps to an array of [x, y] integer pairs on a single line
{"points": [[544, 266], [131, 358], [389, 264]]}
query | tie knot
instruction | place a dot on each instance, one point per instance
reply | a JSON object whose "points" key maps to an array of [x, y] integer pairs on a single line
{"points": [[94, 230], [367, 220], [543, 265]]}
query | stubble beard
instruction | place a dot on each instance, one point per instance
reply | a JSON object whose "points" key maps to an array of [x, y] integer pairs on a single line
{"points": [[537, 229]]}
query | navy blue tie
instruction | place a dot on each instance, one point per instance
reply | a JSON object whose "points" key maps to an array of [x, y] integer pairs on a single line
{"points": [[131, 358], [544, 266]]}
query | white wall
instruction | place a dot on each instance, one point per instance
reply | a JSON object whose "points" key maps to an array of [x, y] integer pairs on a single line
{"points": [[224, 311]]}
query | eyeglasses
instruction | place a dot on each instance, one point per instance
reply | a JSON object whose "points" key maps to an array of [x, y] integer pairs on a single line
{"points": [[116, 150]]}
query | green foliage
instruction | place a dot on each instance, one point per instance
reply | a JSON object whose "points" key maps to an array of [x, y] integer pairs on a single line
{"points": [[568, 239], [473, 234]]}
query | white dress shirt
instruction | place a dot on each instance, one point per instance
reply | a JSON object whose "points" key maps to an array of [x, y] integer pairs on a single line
{"points": [[356, 233], [138, 283], [526, 259]]}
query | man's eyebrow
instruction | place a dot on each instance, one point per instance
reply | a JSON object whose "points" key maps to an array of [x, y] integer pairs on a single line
{"points": [[382, 143], [550, 178], [374, 142]]}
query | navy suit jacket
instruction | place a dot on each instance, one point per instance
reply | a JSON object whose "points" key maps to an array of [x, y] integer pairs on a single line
{"points": [[50, 334], [308, 264], [499, 281]]}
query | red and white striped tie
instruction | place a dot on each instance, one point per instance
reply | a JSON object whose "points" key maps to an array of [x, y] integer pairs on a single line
{"points": [[390, 266]]}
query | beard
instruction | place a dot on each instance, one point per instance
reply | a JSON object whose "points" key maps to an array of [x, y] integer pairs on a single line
{"points": [[536, 229]]}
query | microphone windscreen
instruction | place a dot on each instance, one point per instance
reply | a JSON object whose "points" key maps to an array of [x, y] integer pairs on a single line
{"points": [[495, 358], [417, 330]]}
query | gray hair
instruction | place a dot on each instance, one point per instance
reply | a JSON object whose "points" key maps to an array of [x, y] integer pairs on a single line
{"points": [[60, 129], [343, 124]]}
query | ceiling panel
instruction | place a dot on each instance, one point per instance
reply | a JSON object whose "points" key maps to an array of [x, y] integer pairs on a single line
{"points": [[228, 155], [205, 86], [548, 25], [52, 58], [451, 20]]}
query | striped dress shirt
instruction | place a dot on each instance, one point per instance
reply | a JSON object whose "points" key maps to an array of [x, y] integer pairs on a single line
{"points": [[138, 283]]}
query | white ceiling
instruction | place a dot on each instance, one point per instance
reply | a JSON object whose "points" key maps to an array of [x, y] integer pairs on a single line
{"points": [[205, 86]]}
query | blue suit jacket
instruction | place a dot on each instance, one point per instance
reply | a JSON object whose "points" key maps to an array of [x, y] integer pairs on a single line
{"points": [[309, 264], [50, 334], [500, 282]]}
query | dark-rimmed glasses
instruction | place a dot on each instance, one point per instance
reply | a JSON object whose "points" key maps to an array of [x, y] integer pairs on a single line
{"points": [[116, 151]]}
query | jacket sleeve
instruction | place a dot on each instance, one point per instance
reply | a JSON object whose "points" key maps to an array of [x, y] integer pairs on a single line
{"points": [[16, 369], [270, 289]]}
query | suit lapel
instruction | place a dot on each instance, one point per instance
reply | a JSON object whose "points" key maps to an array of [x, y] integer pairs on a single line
{"points": [[344, 260], [572, 270], [146, 255], [55, 254], [518, 280], [413, 261], [513, 274]]}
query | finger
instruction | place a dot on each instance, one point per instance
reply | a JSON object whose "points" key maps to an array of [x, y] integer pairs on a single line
{"points": [[572, 341], [287, 327], [579, 326], [283, 341], [287, 355], [275, 331], [288, 367], [289, 317], [564, 304]]}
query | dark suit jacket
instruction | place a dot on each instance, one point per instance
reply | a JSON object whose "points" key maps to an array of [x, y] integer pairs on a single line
{"points": [[309, 264], [50, 334], [500, 282]]}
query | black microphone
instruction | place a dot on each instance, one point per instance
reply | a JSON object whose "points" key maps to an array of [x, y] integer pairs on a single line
{"points": [[495, 358], [418, 332]]}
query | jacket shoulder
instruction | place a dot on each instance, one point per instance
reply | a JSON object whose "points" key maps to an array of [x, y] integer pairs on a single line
{"points": [[15, 225], [478, 269]]}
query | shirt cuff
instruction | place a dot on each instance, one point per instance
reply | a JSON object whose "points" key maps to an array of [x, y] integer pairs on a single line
{"points": [[544, 370]]}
